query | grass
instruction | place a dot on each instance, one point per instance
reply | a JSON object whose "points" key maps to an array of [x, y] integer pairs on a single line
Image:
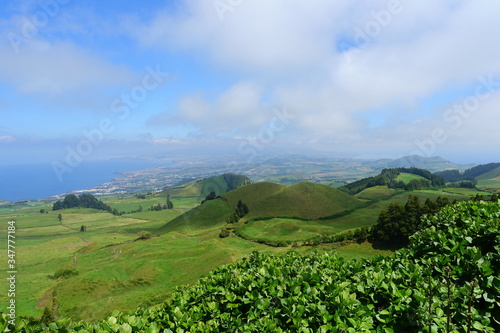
{"points": [[407, 177], [303, 200], [278, 229], [376, 193], [208, 216]]}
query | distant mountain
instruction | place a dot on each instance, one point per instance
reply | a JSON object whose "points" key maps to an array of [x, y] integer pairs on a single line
{"points": [[202, 187], [433, 164], [302, 200]]}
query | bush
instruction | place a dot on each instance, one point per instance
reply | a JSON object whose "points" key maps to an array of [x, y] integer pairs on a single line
{"points": [[65, 272], [224, 233]]}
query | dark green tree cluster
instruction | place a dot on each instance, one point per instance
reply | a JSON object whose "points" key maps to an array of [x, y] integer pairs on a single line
{"points": [[453, 176], [168, 205], [464, 184], [211, 196], [417, 184], [240, 211], [395, 225], [83, 201], [479, 197], [479, 170]]}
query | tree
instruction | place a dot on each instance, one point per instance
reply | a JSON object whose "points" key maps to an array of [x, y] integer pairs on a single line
{"points": [[240, 211], [395, 226], [42, 211], [83, 228], [170, 204], [59, 217]]}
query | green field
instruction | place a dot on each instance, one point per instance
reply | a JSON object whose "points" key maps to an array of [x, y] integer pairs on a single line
{"points": [[283, 229]]}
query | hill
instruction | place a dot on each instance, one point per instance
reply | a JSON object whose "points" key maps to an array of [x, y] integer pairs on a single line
{"points": [[202, 187], [210, 215], [303, 200], [397, 178], [485, 176], [434, 163]]}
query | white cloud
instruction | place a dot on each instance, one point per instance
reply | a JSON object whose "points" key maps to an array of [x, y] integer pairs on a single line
{"points": [[239, 108], [54, 69], [425, 48], [6, 139]]}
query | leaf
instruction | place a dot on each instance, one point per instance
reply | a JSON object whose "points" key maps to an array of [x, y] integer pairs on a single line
{"points": [[477, 325], [112, 320], [125, 328]]}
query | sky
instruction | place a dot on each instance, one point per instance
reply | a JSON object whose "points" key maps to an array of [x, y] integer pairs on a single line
{"points": [[91, 80]]}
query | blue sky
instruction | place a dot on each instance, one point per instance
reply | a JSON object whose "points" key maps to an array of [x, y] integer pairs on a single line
{"points": [[366, 78]]}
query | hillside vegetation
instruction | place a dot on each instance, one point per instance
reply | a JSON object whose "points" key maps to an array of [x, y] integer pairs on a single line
{"points": [[484, 176], [303, 200], [408, 179], [297, 205], [202, 187], [137, 258], [445, 281]]}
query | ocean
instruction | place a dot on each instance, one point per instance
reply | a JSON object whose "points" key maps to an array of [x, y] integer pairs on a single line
{"points": [[37, 181]]}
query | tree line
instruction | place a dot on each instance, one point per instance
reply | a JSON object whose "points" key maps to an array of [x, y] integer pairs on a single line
{"points": [[84, 200], [396, 224], [454, 176], [388, 177]]}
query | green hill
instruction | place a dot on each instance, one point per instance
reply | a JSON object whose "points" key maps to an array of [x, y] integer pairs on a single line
{"points": [[409, 179], [202, 187], [485, 176], [207, 216], [489, 180], [303, 200], [434, 163]]}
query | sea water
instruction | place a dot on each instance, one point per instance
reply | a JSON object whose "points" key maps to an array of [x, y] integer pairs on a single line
{"points": [[36, 181]]}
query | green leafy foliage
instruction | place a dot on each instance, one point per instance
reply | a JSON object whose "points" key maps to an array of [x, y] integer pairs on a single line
{"points": [[446, 280], [84, 200], [396, 224], [65, 272]]}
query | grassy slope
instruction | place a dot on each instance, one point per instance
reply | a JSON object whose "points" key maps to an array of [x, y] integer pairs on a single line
{"points": [[207, 216], [376, 192], [490, 179], [407, 177], [304, 200], [200, 188]]}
